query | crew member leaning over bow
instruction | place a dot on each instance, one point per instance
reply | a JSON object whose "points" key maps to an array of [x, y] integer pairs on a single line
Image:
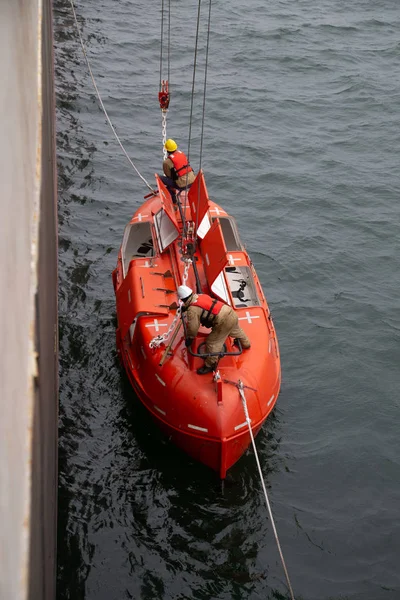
{"points": [[222, 319], [178, 174]]}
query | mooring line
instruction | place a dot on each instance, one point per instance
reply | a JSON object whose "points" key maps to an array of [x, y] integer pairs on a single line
{"points": [[101, 101], [243, 397]]}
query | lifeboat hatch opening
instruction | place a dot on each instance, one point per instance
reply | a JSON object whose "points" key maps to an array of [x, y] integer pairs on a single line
{"points": [[137, 243], [242, 286], [198, 198], [165, 230], [230, 234], [213, 252]]}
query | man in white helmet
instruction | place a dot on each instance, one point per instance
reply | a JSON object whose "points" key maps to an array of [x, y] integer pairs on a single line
{"points": [[201, 309]]}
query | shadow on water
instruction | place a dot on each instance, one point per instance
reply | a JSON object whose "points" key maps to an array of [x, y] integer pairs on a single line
{"points": [[204, 519]]}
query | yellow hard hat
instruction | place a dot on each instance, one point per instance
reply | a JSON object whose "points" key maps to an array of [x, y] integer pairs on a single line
{"points": [[170, 145]]}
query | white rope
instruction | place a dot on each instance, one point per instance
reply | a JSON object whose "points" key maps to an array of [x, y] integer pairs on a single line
{"points": [[162, 338], [101, 101], [243, 397]]}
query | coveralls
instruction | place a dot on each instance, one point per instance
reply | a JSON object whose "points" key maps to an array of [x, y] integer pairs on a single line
{"points": [[224, 324], [179, 183]]}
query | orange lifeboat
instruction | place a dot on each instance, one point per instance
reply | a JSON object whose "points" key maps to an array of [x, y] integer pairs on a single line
{"points": [[194, 242]]}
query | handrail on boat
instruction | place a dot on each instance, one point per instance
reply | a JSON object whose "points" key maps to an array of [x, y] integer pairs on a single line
{"points": [[220, 354], [206, 354]]}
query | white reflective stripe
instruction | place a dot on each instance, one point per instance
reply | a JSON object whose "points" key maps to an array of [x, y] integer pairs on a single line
{"points": [[207, 260], [129, 295], [270, 400], [269, 346], [194, 208], [143, 352], [197, 428], [160, 380], [241, 425], [159, 410]]}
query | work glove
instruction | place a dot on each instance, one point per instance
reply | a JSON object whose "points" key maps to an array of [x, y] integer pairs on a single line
{"points": [[188, 342]]}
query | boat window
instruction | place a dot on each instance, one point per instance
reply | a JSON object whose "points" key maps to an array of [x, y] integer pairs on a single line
{"points": [[137, 243], [242, 286], [230, 233], [165, 229]]}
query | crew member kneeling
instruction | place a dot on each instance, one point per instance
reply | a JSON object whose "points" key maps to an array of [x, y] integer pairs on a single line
{"points": [[222, 319]]}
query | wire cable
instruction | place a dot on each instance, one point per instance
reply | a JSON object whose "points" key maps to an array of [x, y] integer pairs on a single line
{"points": [[101, 101], [194, 78], [204, 111], [191, 111], [169, 38], [162, 39], [205, 83]]}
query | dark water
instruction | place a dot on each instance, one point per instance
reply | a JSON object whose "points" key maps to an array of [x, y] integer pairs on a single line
{"points": [[302, 146]]}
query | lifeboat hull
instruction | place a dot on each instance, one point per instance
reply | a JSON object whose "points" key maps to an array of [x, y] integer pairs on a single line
{"points": [[218, 454], [202, 414]]}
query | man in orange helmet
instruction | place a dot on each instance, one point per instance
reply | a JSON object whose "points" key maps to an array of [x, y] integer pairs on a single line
{"points": [[201, 309], [178, 174]]}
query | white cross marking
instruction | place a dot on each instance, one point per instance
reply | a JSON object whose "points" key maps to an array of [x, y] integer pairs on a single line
{"points": [[148, 265], [249, 317], [157, 325], [140, 217], [216, 210], [232, 260]]}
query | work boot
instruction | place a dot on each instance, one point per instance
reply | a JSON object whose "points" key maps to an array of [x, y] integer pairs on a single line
{"points": [[204, 369], [236, 343]]}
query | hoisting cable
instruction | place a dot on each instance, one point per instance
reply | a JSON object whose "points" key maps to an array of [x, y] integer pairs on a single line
{"points": [[163, 94], [205, 83], [191, 106], [243, 397], [194, 79], [101, 101], [204, 112]]}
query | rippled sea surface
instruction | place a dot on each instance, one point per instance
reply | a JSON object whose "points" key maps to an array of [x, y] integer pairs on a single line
{"points": [[301, 145]]}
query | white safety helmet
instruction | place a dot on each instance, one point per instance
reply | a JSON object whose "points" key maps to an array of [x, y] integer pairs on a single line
{"points": [[184, 292]]}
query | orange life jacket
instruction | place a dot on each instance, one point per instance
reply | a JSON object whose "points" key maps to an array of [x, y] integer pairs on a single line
{"points": [[181, 165], [211, 308]]}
